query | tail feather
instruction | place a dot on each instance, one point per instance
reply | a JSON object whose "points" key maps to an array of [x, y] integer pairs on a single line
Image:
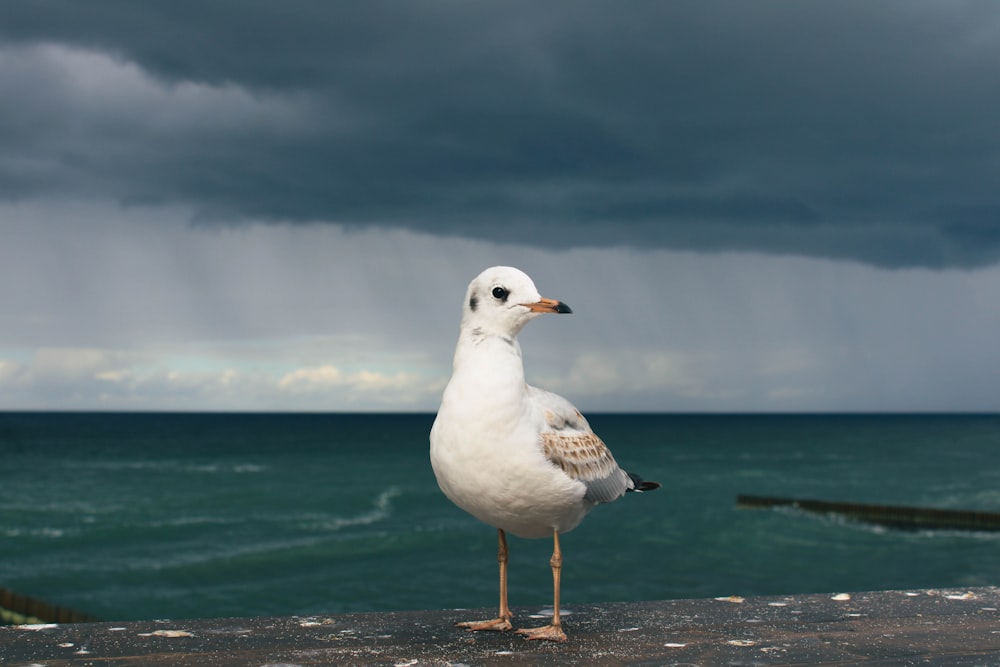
{"points": [[640, 484]]}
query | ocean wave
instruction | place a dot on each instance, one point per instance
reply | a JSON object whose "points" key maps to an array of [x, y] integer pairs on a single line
{"points": [[71, 506], [317, 525], [225, 468], [319, 532], [198, 520], [381, 510], [987, 500], [240, 468], [45, 532]]}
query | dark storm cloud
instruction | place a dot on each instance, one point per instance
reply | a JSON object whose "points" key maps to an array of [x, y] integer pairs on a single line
{"points": [[858, 130]]}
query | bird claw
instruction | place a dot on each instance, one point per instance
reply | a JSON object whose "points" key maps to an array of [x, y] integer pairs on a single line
{"points": [[495, 625], [552, 633]]}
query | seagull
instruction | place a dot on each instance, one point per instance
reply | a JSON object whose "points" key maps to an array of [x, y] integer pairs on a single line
{"points": [[518, 458]]}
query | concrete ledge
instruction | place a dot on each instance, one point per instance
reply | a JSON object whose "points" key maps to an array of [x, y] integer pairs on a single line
{"points": [[927, 627]]}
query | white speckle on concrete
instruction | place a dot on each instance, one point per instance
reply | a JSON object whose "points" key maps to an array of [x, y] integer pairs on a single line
{"points": [[735, 599], [548, 612], [37, 626], [674, 645], [741, 642], [67, 645], [964, 596], [166, 633], [841, 597]]}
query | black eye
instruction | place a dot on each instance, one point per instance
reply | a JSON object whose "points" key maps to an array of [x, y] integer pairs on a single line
{"points": [[500, 293]]}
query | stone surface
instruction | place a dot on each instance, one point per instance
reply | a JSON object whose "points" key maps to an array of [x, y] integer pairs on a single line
{"points": [[920, 627]]}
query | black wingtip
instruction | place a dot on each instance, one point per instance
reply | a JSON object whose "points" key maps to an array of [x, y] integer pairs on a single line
{"points": [[641, 484]]}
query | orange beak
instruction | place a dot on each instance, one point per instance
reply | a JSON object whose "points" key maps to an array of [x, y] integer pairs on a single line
{"points": [[549, 306]]}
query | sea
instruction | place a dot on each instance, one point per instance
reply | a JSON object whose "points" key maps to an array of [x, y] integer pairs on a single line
{"points": [[132, 516]]}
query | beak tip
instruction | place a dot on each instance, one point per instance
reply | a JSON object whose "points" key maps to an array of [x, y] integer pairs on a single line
{"points": [[562, 308]]}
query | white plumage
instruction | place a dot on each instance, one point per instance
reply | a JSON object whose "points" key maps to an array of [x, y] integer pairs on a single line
{"points": [[518, 458]]}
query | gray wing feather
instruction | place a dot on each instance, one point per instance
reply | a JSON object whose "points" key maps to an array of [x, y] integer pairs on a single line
{"points": [[569, 443]]}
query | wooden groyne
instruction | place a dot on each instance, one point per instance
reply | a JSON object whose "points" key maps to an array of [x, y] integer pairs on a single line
{"points": [[892, 516], [17, 609], [925, 627]]}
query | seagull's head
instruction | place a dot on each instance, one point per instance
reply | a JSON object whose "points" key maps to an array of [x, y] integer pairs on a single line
{"points": [[502, 299]]}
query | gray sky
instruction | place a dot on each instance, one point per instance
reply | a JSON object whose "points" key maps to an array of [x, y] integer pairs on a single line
{"points": [[749, 205]]}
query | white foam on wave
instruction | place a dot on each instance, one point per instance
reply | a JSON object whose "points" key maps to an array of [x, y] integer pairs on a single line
{"points": [[41, 531], [381, 510], [314, 521], [172, 466]]}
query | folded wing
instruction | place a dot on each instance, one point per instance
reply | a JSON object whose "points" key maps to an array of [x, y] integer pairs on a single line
{"points": [[569, 443]]}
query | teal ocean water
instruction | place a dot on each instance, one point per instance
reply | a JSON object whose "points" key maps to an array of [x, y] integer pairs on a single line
{"points": [[142, 516]]}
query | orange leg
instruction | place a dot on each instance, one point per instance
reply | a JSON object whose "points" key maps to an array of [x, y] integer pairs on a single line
{"points": [[552, 632], [502, 621]]}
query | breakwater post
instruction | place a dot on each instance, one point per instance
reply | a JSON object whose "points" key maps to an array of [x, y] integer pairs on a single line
{"points": [[892, 516], [17, 609]]}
